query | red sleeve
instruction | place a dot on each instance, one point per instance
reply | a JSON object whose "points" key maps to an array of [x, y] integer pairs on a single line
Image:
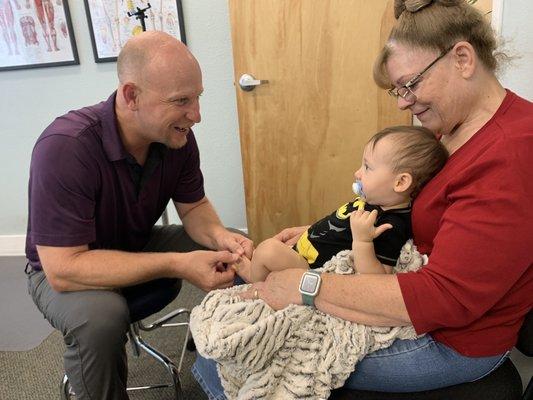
{"points": [[484, 242]]}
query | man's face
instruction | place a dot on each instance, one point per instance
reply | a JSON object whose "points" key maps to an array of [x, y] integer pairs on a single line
{"points": [[169, 105]]}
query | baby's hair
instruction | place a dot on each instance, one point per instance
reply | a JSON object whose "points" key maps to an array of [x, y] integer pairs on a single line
{"points": [[417, 152]]}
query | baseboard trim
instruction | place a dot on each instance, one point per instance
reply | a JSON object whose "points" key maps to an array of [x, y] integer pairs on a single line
{"points": [[12, 245]]}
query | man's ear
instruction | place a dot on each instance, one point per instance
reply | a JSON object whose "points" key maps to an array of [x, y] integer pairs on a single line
{"points": [[130, 93], [403, 182], [465, 59]]}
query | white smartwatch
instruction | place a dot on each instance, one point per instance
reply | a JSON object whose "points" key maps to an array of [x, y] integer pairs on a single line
{"points": [[309, 286]]}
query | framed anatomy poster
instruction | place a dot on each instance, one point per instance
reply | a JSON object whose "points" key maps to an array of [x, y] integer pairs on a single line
{"points": [[112, 22], [36, 33]]}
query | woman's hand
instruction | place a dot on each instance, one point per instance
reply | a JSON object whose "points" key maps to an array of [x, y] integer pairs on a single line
{"points": [[290, 236], [278, 290]]}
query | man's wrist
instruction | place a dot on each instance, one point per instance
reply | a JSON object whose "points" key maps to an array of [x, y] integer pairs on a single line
{"points": [[176, 264], [217, 237]]}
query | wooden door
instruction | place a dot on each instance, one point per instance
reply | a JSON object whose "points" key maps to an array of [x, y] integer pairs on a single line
{"points": [[302, 133]]}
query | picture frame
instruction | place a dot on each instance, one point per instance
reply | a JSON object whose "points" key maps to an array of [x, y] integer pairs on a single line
{"points": [[110, 26], [36, 34]]}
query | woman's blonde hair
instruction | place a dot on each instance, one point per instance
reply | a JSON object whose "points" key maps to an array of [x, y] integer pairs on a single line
{"points": [[438, 25]]}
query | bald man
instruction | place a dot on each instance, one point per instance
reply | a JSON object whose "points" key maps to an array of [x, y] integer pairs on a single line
{"points": [[100, 178]]}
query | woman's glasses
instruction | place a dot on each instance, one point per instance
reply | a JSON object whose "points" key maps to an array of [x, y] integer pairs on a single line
{"points": [[406, 91]]}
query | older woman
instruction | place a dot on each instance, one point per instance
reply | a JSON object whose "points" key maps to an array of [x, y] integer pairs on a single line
{"points": [[472, 219]]}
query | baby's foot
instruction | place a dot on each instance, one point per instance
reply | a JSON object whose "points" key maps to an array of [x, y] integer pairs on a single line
{"points": [[243, 268]]}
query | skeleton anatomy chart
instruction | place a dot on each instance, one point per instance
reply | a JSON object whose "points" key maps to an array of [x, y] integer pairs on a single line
{"points": [[111, 26], [35, 32]]}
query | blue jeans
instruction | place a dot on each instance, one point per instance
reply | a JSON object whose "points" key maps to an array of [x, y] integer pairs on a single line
{"points": [[406, 366]]}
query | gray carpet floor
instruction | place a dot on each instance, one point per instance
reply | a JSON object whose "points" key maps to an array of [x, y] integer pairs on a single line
{"points": [[36, 374]]}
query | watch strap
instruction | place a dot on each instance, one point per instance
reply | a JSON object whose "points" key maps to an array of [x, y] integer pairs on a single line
{"points": [[307, 298]]}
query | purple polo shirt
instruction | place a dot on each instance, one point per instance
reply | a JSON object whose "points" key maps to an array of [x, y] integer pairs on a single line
{"points": [[81, 190]]}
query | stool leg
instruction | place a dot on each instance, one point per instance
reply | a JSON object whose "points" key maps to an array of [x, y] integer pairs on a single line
{"points": [[170, 367], [175, 374], [65, 389]]}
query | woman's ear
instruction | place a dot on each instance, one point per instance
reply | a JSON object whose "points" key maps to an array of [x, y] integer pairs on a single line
{"points": [[403, 182], [130, 93], [465, 58]]}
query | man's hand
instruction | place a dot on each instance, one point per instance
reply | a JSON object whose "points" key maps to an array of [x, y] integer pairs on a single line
{"points": [[290, 236], [279, 289], [234, 243], [362, 225], [208, 269]]}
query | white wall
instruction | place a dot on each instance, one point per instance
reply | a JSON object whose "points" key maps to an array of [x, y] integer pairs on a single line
{"points": [[517, 31], [31, 99]]}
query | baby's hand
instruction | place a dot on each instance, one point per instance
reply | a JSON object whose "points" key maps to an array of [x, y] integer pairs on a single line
{"points": [[363, 228]]}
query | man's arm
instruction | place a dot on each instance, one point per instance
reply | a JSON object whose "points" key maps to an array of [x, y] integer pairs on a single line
{"points": [[77, 268], [203, 225]]}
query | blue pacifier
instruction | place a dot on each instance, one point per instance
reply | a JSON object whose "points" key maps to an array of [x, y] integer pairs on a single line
{"points": [[357, 188]]}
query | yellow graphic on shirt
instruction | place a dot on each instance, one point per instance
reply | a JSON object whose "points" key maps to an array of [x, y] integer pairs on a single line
{"points": [[343, 213], [306, 249]]}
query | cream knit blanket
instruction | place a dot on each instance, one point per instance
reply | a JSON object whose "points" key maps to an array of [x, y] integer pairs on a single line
{"points": [[294, 353]]}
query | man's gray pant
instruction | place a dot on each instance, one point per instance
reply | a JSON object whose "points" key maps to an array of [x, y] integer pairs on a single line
{"points": [[94, 324]]}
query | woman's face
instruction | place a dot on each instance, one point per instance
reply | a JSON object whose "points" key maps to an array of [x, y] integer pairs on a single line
{"points": [[437, 105]]}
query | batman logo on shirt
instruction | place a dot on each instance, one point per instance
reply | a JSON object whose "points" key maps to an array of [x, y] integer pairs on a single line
{"points": [[345, 210]]}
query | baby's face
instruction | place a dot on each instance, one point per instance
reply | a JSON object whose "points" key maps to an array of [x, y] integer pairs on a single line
{"points": [[376, 175]]}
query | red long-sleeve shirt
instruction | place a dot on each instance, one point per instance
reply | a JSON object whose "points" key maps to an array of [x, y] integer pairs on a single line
{"points": [[475, 221]]}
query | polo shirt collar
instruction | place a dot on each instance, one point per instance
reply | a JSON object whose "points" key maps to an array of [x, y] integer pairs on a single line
{"points": [[111, 141]]}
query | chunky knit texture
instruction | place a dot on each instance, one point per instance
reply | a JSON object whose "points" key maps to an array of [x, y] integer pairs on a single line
{"points": [[294, 353]]}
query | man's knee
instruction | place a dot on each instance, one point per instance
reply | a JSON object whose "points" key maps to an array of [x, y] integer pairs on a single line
{"points": [[98, 319]]}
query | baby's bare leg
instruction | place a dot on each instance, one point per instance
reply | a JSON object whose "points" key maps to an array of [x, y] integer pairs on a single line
{"points": [[273, 255]]}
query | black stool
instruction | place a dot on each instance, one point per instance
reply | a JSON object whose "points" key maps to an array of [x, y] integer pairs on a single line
{"points": [[502, 384], [144, 300]]}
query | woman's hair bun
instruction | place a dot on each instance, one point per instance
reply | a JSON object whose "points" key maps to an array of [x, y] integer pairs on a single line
{"points": [[411, 6]]}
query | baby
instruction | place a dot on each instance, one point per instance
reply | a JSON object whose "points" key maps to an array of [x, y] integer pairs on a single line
{"points": [[397, 162]]}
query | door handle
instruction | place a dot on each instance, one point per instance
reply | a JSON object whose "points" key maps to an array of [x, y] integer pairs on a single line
{"points": [[248, 83]]}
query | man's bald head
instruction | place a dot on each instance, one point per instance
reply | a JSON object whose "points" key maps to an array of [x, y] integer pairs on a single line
{"points": [[150, 55]]}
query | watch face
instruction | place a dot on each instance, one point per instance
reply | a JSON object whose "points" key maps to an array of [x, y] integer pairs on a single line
{"points": [[309, 283]]}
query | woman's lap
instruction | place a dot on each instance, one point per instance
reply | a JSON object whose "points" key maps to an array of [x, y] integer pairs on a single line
{"points": [[406, 366], [415, 365]]}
